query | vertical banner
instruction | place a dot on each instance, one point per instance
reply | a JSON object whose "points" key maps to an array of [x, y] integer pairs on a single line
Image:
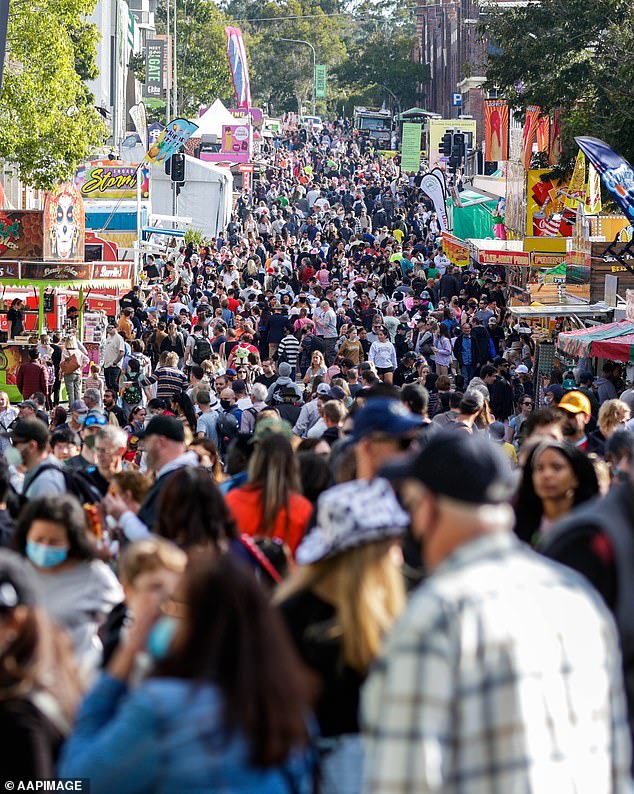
{"points": [[555, 139], [410, 159], [432, 187], [154, 68], [496, 129], [139, 119], [593, 191], [530, 131], [577, 187], [543, 134], [237, 54], [320, 81], [617, 174]]}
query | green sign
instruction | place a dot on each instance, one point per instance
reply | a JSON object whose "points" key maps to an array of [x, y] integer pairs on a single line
{"points": [[320, 81], [410, 161]]}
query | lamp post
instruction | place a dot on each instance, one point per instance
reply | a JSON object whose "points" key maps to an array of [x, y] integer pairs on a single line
{"points": [[308, 44]]}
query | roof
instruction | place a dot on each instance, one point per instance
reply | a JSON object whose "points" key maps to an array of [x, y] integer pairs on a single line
{"points": [[417, 112], [562, 310], [213, 119], [612, 340]]}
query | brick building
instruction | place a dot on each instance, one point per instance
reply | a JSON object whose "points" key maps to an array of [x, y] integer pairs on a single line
{"points": [[449, 43]]}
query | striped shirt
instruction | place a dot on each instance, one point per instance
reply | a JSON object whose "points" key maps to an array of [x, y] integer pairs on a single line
{"points": [[289, 347], [503, 675], [169, 381]]}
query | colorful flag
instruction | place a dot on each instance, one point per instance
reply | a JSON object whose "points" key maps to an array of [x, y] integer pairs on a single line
{"points": [[237, 54], [496, 129], [617, 174], [593, 191], [543, 134], [170, 140], [577, 186], [555, 139], [530, 130]]}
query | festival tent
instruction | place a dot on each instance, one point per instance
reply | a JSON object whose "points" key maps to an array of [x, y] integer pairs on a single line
{"points": [[212, 120], [474, 219], [614, 341]]}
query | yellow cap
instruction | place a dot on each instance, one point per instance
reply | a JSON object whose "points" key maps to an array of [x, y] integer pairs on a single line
{"points": [[575, 403]]}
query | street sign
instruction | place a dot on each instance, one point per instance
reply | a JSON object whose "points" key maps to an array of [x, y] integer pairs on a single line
{"points": [[320, 81], [456, 100]]}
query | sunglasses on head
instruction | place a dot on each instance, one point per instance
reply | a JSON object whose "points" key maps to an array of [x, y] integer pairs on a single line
{"points": [[91, 421]]}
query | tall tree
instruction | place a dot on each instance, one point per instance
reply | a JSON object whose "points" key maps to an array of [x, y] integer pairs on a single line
{"points": [[48, 124], [576, 55], [202, 67]]}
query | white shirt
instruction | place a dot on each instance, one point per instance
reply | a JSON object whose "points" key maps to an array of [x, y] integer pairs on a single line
{"points": [[113, 350]]}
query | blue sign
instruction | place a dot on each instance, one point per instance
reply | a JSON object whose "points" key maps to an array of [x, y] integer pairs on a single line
{"points": [[456, 100]]}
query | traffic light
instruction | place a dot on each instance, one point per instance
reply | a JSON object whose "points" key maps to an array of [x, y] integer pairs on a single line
{"points": [[177, 167], [445, 144], [457, 150]]}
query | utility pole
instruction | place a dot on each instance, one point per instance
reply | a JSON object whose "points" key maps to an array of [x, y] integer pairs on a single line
{"points": [[168, 92], [308, 44], [175, 66]]}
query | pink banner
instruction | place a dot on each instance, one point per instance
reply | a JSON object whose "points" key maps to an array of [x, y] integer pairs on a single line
{"points": [[237, 54]]}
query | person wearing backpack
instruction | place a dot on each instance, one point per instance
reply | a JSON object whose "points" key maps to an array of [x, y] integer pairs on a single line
{"points": [[30, 448], [198, 347], [229, 419]]}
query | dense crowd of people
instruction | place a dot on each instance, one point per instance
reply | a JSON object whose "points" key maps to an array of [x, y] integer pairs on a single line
{"points": [[295, 530]]}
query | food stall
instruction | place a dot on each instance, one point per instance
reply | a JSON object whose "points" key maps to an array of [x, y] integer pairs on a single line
{"points": [[46, 279]]}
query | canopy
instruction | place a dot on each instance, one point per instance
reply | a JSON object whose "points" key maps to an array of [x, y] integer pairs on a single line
{"points": [[612, 340], [212, 120], [475, 218], [413, 112], [562, 310]]}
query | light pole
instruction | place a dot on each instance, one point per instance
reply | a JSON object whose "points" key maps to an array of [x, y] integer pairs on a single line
{"points": [[308, 44]]}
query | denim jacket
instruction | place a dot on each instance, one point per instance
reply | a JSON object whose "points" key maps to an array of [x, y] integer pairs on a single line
{"points": [[168, 737]]}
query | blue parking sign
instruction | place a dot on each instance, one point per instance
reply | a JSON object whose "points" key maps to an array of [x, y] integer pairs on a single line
{"points": [[456, 100]]}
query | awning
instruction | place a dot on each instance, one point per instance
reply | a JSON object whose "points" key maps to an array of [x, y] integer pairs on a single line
{"points": [[161, 230], [561, 310], [613, 340]]}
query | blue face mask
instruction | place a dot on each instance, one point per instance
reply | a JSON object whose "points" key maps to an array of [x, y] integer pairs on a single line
{"points": [[161, 636], [46, 556]]}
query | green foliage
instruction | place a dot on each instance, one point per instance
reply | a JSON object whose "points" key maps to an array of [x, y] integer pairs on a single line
{"points": [[576, 55], [202, 67], [380, 43], [367, 51], [47, 122]]}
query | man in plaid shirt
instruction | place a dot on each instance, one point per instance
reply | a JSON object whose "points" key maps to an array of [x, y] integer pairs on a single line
{"points": [[503, 676]]}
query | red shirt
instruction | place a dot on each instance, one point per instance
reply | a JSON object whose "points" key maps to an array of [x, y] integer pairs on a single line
{"points": [[245, 507], [232, 304]]}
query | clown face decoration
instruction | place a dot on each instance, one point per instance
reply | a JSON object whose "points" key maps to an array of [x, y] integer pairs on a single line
{"points": [[64, 224]]}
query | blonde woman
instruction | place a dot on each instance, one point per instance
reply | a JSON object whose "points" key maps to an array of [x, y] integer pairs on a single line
{"points": [[613, 415], [339, 605], [317, 366]]}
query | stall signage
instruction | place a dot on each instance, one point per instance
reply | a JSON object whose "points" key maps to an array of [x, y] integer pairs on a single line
{"points": [[51, 271], [457, 250], [21, 234], [111, 179], [517, 258], [54, 271], [547, 260], [9, 270], [119, 270]]}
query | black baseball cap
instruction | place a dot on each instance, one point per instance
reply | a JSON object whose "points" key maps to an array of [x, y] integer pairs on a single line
{"points": [[467, 468], [166, 426], [29, 430]]}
